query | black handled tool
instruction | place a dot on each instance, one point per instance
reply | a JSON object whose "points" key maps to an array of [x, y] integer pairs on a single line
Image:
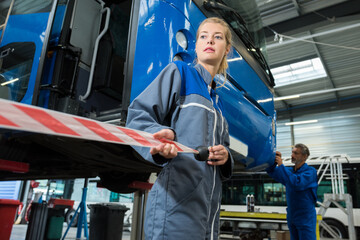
{"points": [[203, 154]]}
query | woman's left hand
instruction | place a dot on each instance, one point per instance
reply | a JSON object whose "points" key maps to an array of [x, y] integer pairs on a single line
{"points": [[167, 150], [218, 155]]}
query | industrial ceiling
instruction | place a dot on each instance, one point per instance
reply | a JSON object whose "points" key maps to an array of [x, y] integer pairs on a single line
{"points": [[298, 30]]}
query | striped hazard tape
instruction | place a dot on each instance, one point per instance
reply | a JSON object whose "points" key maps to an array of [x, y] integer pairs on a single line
{"points": [[29, 118]]}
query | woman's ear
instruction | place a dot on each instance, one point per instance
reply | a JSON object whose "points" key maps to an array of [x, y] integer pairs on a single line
{"points": [[227, 49]]}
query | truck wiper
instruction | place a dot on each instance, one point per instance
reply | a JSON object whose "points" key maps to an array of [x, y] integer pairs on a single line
{"points": [[234, 16], [246, 37], [212, 4]]}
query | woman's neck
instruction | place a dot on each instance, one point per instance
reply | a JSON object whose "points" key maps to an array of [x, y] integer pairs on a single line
{"points": [[211, 69]]}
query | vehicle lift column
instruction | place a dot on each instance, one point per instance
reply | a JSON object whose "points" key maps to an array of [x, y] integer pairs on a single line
{"points": [[140, 198]]}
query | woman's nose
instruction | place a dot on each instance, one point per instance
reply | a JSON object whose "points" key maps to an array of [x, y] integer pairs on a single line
{"points": [[210, 40]]}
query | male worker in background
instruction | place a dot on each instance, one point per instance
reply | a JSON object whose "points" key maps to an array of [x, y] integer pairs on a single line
{"points": [[301, 186]]}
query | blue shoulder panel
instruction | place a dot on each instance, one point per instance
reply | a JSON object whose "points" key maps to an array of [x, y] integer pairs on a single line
{"points": [[191, 81]]}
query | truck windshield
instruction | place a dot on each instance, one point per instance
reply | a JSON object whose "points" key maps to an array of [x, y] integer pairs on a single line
{"points": [[15, 67], [244, 18], [21, 36]]}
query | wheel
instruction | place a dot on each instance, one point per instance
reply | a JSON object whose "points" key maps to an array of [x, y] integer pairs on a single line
{"points": [[118, 182], [127, 223], [338, 227], [69, 215]]}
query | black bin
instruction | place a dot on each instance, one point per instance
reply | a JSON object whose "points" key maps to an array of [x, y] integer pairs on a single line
{"points": [[106, 221], [37, 221], [45, 221]]}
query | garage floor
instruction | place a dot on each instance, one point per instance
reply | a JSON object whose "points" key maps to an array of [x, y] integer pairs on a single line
{"points": [[19, 233]]}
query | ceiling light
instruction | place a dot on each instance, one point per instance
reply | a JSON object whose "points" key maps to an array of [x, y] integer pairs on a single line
{"points": [[10, 81], [316, 92], [265, 100], [301, 122], [309, 128], [235, 59], [286, 97]]}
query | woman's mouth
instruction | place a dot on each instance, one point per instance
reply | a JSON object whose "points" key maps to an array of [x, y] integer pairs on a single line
{"points": [[209, 49]]}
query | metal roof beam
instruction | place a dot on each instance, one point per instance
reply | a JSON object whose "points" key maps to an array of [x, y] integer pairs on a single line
{"points": [[335, 30], [343, 9], [319, 92], [325, 67], [297, 7]]}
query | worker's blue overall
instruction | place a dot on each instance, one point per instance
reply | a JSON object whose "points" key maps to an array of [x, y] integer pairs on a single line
{"points": [[301, 187], [184, 202]]}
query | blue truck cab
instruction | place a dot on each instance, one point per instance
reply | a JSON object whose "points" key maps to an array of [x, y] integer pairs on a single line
{"points": [[91, 58]]}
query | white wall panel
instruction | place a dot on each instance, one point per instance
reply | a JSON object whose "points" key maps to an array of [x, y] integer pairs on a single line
{"points": [[336, 132]]}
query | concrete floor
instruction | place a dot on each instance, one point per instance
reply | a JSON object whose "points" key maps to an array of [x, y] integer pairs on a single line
{"points": [[19, 233]]}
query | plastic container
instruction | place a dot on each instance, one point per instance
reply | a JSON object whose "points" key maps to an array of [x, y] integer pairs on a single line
{"points": [[54, 224], [7, 212], [252, 203], [106, 221], [248, 203], [54, 227], [56, 217], [60, 203]]}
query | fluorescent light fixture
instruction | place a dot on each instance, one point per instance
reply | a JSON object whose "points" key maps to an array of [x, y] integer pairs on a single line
{"points": [[309, 128], [235, 59], [301, 122], [10, 81], [316, 92], [286, 97], [298, 72], [265, 100]]}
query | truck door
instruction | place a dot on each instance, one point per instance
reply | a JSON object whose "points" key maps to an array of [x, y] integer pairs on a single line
{"points": [[25, 30]]}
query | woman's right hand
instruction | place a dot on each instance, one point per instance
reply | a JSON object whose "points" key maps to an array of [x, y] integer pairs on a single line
{"points": [[167, 150]]}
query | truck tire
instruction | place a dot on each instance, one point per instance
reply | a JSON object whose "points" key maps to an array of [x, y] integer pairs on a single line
{"points": [[337, 226], [69, 215]]}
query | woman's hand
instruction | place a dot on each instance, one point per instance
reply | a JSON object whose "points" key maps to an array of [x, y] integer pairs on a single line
{"points": [[167, 150], [218, 155]]}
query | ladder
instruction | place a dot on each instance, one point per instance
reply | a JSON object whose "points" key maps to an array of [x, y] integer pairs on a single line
{"points": [[331, 166]]}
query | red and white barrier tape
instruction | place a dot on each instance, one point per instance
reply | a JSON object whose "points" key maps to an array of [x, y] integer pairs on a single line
{"points": [[28, 118]]}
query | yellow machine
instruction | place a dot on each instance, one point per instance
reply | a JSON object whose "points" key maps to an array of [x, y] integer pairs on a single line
{"points": [[255, 225]]}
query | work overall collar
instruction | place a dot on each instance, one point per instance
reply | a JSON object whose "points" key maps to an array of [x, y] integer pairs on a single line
{"points": [[206, 76]]}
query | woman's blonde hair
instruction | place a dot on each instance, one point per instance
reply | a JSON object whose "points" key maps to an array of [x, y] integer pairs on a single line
{"points": [[223, 64]]}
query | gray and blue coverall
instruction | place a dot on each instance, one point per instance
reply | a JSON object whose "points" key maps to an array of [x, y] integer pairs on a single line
{"points": [[184, 202], [301, 187]]}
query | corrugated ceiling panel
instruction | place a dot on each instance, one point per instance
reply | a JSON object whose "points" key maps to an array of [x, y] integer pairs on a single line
{"points": [[313, 5], [276, 11], [336, 132], [283, 54], [342, 64]]}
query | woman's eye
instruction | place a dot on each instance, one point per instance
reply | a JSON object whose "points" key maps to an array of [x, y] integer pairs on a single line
{"points": [[202, 36], [218, 37]]}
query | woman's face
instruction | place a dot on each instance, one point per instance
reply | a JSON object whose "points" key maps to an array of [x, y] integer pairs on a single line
{"points": [[211, 44]]}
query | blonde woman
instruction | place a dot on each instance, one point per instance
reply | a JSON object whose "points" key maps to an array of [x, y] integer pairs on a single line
{"points": [[181, 104]]}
